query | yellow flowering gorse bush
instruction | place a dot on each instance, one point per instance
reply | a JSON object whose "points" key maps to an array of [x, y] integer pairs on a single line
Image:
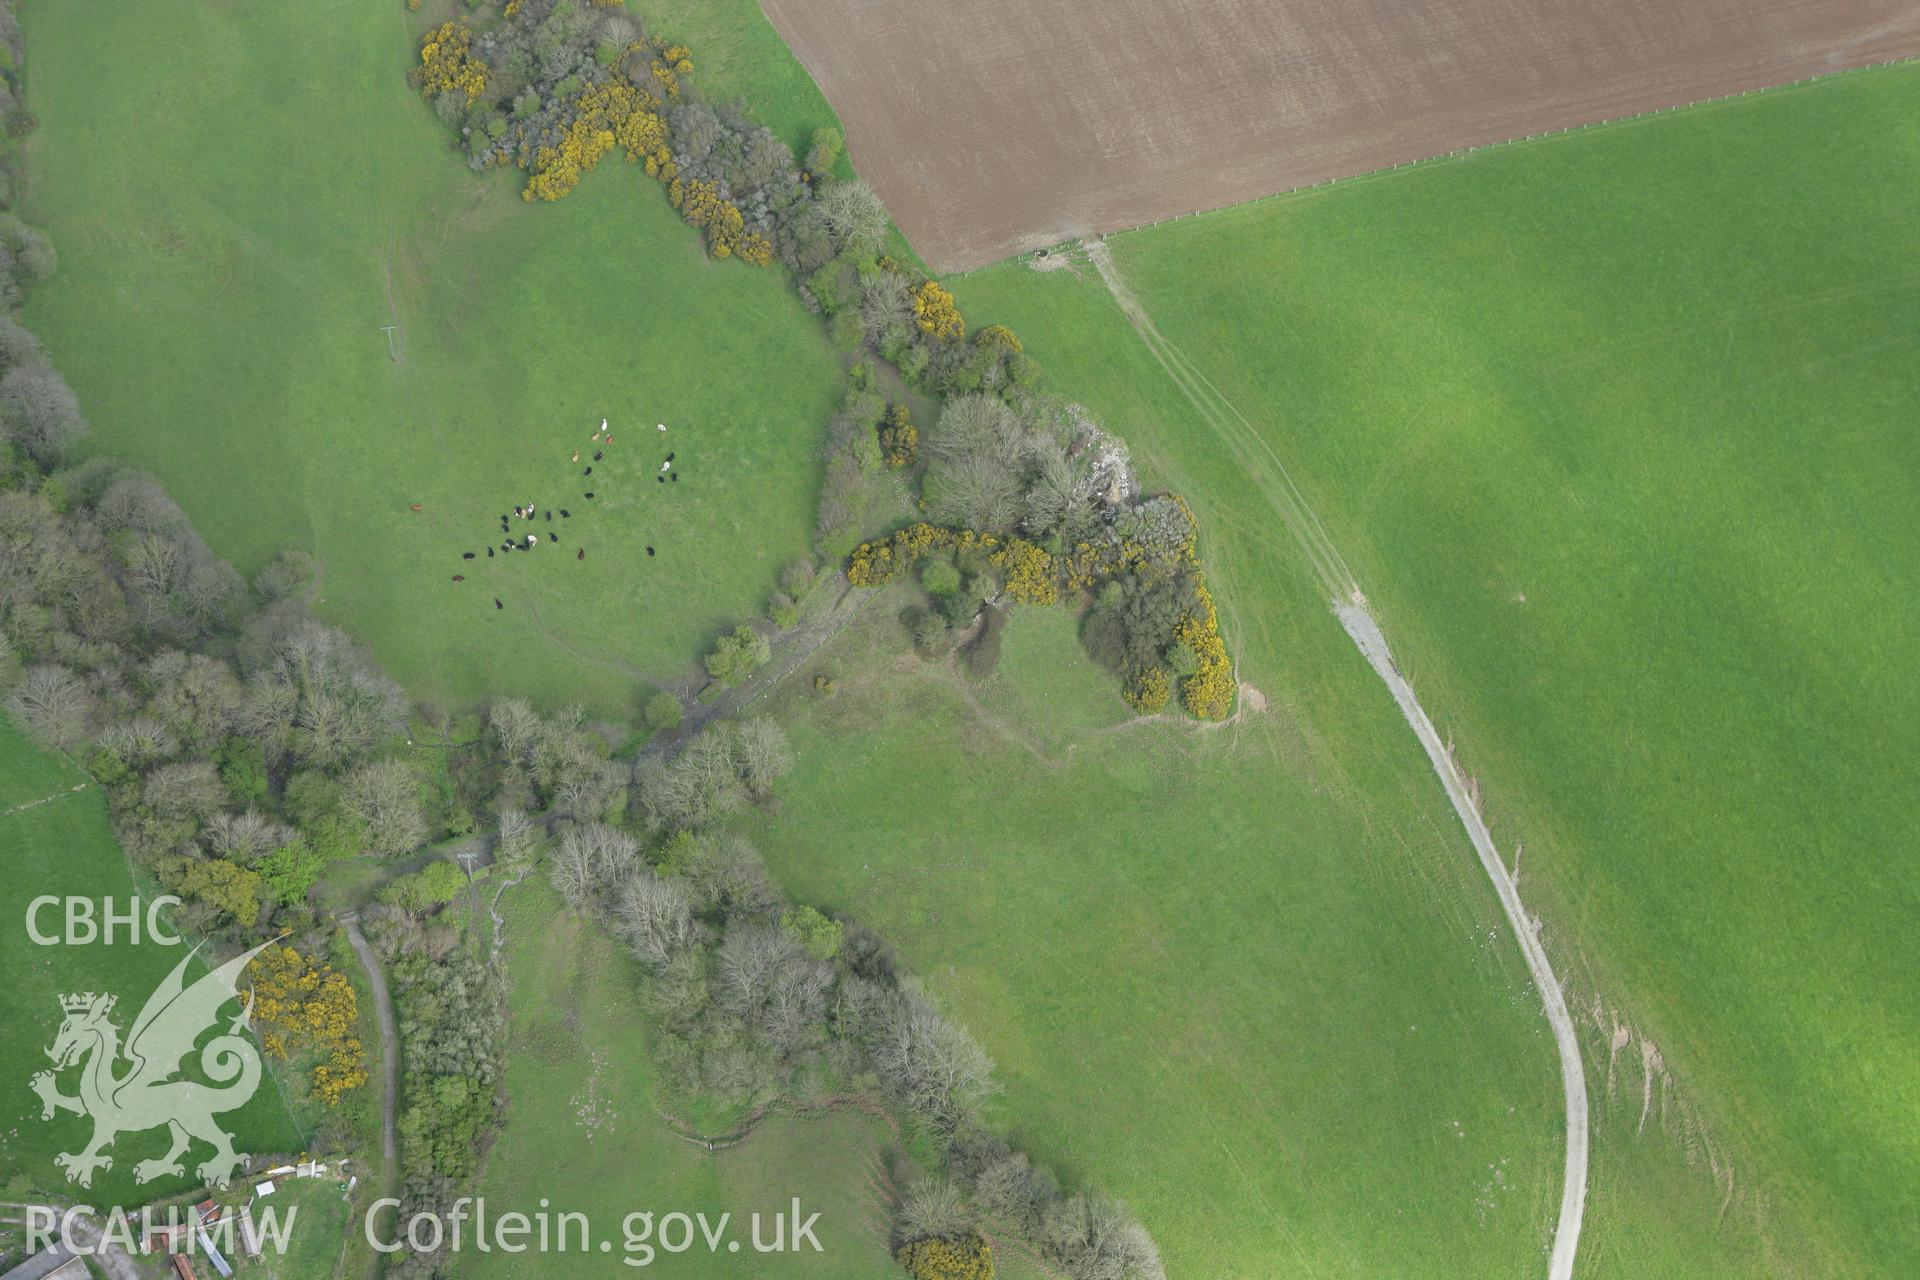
{"points": [[933, 311], [968, 1258], [606, 116], [447, 63], [302, 1005]]}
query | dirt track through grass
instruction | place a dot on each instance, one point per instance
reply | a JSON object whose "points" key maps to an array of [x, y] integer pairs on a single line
{"points": [[1247, 445], [1267, 470], [390, 1049], [1360, 624], [46, 799]]}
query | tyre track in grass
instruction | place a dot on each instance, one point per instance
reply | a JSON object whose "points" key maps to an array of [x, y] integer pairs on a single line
{"points": [[1258, 459]]}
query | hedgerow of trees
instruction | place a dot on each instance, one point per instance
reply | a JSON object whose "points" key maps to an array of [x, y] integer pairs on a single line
{"points": [[753, 999], [553, 86], [244, 747], [191, 696]]}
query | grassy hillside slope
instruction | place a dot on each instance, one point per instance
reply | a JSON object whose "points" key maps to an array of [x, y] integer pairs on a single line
{"points": [[582, 1134], [62, 846], [258, 196], [1616, 431], [1247, 977]]}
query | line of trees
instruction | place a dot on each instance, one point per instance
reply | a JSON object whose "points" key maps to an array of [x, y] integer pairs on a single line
{"points": [[564, 83], [227, 725], [448, 1003], [214, 712], [244, 746], [757, 997], [237, 740], [754, 998]]}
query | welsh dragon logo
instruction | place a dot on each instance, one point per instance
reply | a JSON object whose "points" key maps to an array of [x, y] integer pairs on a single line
{"points": [[150, 1092]]}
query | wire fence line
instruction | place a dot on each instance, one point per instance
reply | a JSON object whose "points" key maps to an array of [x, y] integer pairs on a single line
{"points": [[1459, 153]]}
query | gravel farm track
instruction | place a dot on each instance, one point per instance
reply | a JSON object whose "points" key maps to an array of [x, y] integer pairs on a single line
{"points": [[1000, 126], [1259, 460]]}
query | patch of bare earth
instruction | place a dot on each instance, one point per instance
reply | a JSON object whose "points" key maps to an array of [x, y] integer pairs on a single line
{"points": [[999, 126]]}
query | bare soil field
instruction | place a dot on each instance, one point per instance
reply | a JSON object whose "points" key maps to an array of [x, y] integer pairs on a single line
{"points": [[997, 126]]}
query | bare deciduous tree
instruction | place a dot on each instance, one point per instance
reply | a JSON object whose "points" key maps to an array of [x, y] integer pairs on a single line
{"points": [[977, 426], [40, 412], [288, 576], [137, 742], [931, 1208], [195, 696], [1011, 1189], [55, 705], [655, 918], [974, 493], [17, 344], [515, 840], [386, 796], [517, 728], [589, 859], [932, 1065], [191, 789], [760, 753], [1095, 1238], [855, 215], [136, 502], [246, 837]]}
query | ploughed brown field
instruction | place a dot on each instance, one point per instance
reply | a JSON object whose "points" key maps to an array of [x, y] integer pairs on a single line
{"points": [[995, 126]]}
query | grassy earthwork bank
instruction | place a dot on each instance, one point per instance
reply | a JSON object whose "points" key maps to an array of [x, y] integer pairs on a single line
{"points": [[1608, 425], [219, 309], [582, 1133], [1616, 431], [1246, 977], [61, 847], [1267, 944]]}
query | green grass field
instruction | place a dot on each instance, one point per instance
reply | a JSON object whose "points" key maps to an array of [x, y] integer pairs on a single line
{"points": [[65, 847], [324, 1226], [223, 284], [739, 57], [1247, 978], [1608, 426], [1616, 430], [581, 1131]]}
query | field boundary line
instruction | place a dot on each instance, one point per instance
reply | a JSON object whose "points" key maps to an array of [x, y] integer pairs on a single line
{"points": [[1457, 153]]}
